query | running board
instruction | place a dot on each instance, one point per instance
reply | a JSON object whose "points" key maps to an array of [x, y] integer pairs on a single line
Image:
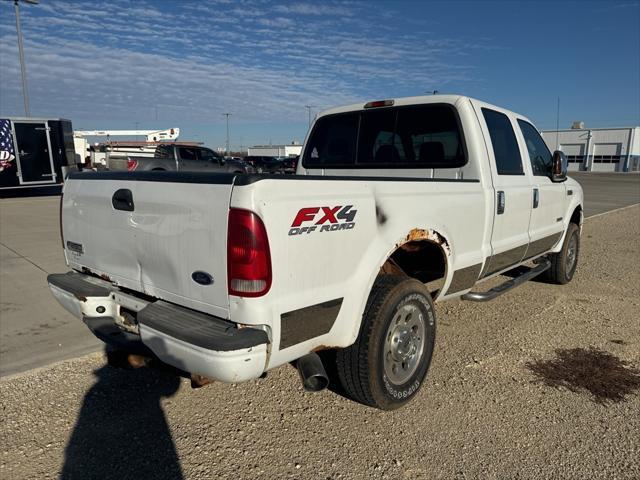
{"points": [[509, 284]]}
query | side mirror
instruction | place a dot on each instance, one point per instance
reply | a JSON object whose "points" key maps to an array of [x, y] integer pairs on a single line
{"points": [[221, 160], [559, 167]]}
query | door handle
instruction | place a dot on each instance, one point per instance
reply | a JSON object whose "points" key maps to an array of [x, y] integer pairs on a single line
{"points": [[501, 202], [536, 197], [123, 200]]}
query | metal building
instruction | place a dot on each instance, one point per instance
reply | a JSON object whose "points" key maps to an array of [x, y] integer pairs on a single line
{"points": [[597, 149], [276, 150]]}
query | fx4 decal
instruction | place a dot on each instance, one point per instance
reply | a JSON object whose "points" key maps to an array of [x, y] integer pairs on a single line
{"points": [[325, 219]]}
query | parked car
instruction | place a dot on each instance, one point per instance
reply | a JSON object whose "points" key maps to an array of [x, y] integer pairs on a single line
{"points": [[398, 205], [263, 164], [289, 164], [177, 157]]}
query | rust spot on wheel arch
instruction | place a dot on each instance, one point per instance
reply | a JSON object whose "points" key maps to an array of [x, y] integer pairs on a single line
{"points": [[419, 234], [320, 348]]}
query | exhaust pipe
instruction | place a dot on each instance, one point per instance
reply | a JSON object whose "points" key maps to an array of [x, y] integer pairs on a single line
{"points": [[314, 377]]}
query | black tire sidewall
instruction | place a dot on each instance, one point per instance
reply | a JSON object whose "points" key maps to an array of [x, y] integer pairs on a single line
{"points": [[386, 393], [571, 232]]}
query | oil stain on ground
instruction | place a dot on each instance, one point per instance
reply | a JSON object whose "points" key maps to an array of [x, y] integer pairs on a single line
{"points": [[605, 376]]}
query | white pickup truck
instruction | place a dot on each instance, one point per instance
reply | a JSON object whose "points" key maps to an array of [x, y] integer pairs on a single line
{"points": [[396, 204]]}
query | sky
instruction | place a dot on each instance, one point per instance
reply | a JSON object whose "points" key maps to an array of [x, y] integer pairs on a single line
{"points": [[160, 64]]}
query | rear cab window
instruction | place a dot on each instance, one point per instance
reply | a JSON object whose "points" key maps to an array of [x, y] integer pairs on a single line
{"points": [[412, 137]]}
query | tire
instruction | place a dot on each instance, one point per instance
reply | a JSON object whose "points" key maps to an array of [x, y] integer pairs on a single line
{"points": [[564, 263], [378, 369]]}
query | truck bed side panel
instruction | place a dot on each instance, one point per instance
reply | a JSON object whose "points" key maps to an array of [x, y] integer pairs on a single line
{"points": [[313, 271]]}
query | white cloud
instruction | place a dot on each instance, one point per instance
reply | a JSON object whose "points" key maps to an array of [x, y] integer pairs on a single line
{"points": [[92, 60]]}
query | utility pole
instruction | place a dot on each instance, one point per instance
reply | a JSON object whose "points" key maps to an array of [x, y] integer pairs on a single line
{"points": [[309, 107], [23, 68], [227, 147]]}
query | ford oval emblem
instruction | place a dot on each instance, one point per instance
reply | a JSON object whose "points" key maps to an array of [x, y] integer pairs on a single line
{"points": [[203, 278]]}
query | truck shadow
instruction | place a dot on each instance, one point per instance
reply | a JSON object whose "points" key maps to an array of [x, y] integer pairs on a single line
{"points": [[121, 431]]}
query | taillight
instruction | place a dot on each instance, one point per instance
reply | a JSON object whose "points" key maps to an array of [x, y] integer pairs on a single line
{"points": [[248, 257], [131, 164]]}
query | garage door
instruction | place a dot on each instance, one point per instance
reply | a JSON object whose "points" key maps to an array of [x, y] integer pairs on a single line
{"points": [[575, 155], [606, 157]]}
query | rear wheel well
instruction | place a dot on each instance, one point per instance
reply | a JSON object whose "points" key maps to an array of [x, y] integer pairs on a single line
{"points": [[423, 260]]}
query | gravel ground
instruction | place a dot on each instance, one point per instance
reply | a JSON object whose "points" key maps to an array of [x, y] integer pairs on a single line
{"points": [[482, 413]]}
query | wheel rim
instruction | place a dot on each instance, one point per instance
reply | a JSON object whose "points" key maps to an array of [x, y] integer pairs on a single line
{"points": [[572, 253], [404, 344]]}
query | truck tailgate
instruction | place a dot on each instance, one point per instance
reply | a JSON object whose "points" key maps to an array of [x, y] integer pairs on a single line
{"points": [[168, 242]]}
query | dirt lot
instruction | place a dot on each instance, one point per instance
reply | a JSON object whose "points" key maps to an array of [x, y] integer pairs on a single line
{"points": [[483, 413]]}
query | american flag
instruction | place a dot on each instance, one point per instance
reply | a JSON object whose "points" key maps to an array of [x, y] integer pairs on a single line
{"points": [[7, 154]]}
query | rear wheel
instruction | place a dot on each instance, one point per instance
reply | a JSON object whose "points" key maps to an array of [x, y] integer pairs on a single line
{"points": [[386, 366], [565, 262]]}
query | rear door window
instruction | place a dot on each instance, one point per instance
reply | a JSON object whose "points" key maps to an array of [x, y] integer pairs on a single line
{"points": [[503, 140], [187, 153], [164, 151], [207, 155]]}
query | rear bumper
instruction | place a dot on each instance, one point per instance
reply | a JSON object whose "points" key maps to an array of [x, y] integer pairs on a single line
{"points": [[192, 341]]}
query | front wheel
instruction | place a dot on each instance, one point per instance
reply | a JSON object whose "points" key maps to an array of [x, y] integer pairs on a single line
{"points": [[565, 262], [387, 364]]}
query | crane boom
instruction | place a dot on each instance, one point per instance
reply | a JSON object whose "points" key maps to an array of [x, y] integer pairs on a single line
{"points": [[151, 135]]}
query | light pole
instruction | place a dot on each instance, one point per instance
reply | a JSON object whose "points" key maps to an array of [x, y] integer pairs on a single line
{"points": [[23, 68], [309, 107], [227, 147]]}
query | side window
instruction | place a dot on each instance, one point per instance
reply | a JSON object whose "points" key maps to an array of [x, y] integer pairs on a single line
{"points": [[539, 154], [505, 145], [162, 151], [207, 155], [187, 153], [333, 141]]}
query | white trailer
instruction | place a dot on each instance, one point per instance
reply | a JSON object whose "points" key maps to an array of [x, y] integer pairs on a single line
{"points": [[139, 148]]}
